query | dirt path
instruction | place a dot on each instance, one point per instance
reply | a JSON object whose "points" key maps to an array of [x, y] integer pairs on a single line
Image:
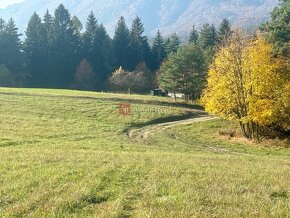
{"points": [[144, 134], [148, 131]]}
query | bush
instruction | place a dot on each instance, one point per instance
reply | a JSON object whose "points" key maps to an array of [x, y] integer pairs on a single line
{"points": [[141, 80]]}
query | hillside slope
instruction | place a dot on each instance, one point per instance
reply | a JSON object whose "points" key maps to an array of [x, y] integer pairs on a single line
{"points": [[66, 154], [169, 15]]}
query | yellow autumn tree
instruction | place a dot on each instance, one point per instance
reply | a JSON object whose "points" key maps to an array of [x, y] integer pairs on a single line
{"points": [[247, 84], [268, 86]]}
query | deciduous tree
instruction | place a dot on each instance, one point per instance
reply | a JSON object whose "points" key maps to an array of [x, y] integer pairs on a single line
{"points": [[85, 77], [139, 81], [245, 84]]}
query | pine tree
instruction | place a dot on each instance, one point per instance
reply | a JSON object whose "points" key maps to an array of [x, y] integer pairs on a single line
{"points": [[139, 47], [193, 37], [208, 36], [65, 48], [104, 56], [2, 24], [2, 39], [6, 78], [278, 28], [47, 49], [98, 49], [225, 31], [158, 50], [47, 23], [34, 48], [91, 29], [208, 41], [172, 44], [184, 72], [89, 40], [10, 54], [121, 42]]}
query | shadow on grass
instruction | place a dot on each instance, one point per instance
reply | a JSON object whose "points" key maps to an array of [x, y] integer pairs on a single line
{"points": [[186, 116], [8, 143], [115, 99]]}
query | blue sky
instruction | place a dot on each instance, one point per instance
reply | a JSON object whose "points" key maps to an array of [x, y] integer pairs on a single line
{"points": [[5, 3]]}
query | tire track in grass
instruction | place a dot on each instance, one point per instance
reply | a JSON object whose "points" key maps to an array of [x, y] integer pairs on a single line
{"points": [[148, 131]]}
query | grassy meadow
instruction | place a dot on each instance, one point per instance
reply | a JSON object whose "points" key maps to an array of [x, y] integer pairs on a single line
{"points": [[68, 154]]}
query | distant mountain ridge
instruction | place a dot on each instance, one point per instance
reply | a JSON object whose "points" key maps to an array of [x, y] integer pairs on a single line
{"points": [[169, 16]]}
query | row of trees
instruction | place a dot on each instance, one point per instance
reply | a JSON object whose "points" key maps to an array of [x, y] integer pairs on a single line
{"points": [[10, 54], [185, 71], [55, 46], [58, 52], [182, 69]]}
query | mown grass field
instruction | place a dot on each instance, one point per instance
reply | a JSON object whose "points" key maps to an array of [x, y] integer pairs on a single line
{"points": [[67, 154]]}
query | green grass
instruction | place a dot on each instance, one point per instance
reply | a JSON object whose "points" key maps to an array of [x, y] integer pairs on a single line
{"points": [[66, 154]]}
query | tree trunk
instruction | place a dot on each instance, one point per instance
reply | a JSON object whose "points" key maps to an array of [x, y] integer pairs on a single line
{"points": [[175, 98], [192, 97], [250, 130]]}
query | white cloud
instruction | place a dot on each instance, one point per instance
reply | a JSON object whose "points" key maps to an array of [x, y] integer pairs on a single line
{"points": [[5, 3]]}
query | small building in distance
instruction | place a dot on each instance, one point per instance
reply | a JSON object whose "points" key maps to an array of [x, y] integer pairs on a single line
{"points": [[159, 92]]}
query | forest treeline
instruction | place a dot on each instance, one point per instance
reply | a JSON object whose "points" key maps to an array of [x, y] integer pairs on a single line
{"points": [[57, 51], [237, 75]]}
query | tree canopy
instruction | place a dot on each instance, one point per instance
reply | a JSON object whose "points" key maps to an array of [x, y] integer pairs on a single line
{"points": [[184, 72], [278, 28], [246, 84]]}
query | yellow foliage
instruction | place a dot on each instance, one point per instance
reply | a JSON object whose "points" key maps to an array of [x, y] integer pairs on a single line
{"points": [[246, 83]]}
